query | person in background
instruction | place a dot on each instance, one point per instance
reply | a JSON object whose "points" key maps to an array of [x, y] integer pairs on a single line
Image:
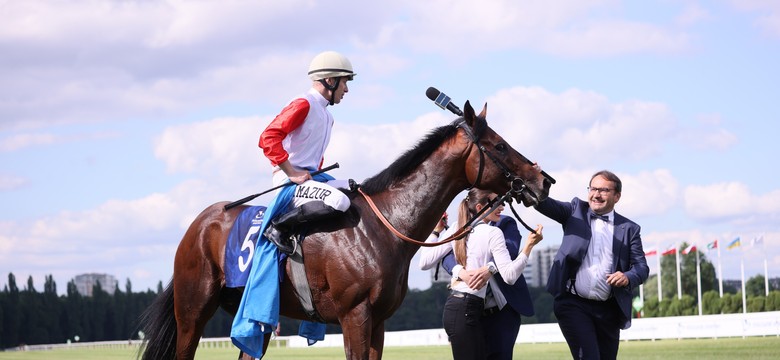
{"points": [[504, 303], [598, 266], [483, 248], [295, 143]]}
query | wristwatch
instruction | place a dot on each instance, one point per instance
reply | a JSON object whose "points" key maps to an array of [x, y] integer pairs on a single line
{"points": [[492, 268]]}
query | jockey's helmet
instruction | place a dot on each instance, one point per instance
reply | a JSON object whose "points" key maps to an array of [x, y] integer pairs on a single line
{"points": [[330, 64]]}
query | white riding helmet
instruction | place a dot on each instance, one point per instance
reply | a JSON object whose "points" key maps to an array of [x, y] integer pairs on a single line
{"points": [[330, 64]]}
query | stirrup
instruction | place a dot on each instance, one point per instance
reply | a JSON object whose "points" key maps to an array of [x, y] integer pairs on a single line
{"points": [[280, 239]]}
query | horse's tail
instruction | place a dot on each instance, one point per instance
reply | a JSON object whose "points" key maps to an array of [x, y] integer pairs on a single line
{"points": [[158, 323]]}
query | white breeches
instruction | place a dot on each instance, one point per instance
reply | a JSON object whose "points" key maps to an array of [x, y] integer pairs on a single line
{"points": [[311, 190]]}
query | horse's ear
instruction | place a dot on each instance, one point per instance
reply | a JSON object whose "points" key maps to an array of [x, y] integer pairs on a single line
{"points": [[483, 114], [468, 113]]}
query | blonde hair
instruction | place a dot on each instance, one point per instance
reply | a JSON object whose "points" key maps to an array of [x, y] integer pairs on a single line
{"points": [[467, 209]]}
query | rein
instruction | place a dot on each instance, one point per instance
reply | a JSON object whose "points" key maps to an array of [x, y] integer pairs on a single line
{"points": [[456, 236]]}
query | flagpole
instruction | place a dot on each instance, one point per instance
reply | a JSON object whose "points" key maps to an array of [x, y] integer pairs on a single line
{"points": [[679, 283], [766, 270], [698, 280], [658, 261], [742, 270], [720, 271], [642, 296]]}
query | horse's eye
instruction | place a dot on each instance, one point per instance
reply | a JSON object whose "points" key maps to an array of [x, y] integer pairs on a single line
{"points": [[501, 147]]}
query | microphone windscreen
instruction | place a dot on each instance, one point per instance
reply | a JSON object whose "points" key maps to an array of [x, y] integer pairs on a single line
{"points": [[432, 93]]}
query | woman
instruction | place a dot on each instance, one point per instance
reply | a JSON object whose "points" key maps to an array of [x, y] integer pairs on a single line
{"points": [[483, 248]]}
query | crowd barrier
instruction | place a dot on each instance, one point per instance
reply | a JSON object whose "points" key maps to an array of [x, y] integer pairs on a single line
{"points": [[678, 327]]}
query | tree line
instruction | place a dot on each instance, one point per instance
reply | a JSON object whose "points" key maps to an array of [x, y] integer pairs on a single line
{"points": [[31, 317], [757, 299]]}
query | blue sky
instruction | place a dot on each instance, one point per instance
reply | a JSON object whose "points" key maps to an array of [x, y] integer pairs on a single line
{"points": [[121, 121]]}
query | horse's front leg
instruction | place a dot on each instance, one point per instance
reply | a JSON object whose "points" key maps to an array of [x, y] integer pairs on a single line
{"points": [[377, 341], [357, 327]]}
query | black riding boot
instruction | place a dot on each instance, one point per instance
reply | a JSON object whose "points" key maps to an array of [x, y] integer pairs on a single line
{"points": [[280, 230]]}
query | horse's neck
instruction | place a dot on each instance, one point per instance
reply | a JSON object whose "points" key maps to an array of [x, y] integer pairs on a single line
{"points": [[416, 203]]}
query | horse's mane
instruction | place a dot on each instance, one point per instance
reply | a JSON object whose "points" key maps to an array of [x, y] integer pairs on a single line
{"points": [[413, 157]]}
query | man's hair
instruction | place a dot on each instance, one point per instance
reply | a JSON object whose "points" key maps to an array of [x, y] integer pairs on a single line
{"points": [[611, 177]]}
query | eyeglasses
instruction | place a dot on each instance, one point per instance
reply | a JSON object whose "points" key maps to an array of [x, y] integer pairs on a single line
{"points": [[601, 191]]}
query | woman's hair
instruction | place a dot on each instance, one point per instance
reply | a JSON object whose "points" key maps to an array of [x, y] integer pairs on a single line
{"points": [[467, 209]]}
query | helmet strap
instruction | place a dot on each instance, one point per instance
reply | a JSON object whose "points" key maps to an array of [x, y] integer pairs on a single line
{"points": [[331, 88]]}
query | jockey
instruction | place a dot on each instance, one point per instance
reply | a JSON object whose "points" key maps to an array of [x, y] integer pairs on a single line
{"points": [[295, 143]]}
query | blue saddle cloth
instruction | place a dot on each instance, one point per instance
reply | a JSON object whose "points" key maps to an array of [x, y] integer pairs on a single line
{"points": [[241, 244], [258, 312]]}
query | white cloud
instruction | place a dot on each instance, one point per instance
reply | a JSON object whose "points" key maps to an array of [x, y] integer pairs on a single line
{"points": [[579, 128], [25, 140], [732, 202], [580, 29], [10, 182], [769, 14], [20, 141], [217, 148], [692, 14], [657, 184]]}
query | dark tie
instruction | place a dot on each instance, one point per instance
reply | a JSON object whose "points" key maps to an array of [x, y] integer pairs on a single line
{"points": [[597, 216]]}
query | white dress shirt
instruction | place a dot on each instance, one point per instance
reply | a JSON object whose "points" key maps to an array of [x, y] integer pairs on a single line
{"points": [[591, 280]]}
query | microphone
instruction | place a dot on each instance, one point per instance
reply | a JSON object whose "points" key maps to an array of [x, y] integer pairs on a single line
{"points": [[442, 100]]}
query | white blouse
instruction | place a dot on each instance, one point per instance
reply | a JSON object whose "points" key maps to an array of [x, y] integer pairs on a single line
{"points": [[485, 244]]}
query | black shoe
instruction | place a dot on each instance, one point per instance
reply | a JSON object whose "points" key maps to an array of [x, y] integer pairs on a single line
{"points": [[280, 239]]}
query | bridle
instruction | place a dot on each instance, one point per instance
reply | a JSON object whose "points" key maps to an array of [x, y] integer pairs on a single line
{"points": [[516, 187]]}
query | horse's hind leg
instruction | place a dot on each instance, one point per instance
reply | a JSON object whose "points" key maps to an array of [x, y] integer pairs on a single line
{"points": [[196, 301]]}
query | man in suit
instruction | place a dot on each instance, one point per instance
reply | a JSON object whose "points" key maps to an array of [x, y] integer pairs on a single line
{"points": [[501, 319], [598, 266]]}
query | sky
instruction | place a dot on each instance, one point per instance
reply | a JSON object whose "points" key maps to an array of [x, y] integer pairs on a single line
{"points": [[120, 121]]}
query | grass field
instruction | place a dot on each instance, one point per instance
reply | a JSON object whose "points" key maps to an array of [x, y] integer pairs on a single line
{"points": [[728, 348]]}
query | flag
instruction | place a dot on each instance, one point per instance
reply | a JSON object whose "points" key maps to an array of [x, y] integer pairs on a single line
{"points": [[671, 251], [651, 252], [734, 244], [712, 245], [757, 240], [689, 249]]}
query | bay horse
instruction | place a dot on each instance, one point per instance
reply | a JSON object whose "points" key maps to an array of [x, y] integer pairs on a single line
{"points": [[356, 267]]}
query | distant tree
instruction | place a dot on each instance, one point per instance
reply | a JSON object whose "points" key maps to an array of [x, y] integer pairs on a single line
{"points": [[755, 286], [711, 303], [756, 303], [773, 301], [731, 303], [683, 306], [688, 280]]}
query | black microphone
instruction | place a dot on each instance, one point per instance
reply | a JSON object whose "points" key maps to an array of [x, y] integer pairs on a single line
{"points": [[442, 100]]}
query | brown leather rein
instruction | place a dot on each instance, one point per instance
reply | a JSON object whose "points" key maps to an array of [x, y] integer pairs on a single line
{"points": [[457, 235]]}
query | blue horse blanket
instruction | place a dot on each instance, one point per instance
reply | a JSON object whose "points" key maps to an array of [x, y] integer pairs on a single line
{"points": [[258, 312]]}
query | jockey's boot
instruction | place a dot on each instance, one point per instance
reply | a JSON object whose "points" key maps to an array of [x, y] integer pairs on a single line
{"points": [[280, 230]]}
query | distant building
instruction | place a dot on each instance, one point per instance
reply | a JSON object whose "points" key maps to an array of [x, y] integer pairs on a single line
{"points": [[536, 271], [85, 283]]}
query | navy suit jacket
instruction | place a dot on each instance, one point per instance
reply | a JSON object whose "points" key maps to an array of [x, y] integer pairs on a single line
{"points": [[517, 295], [629, 257]]}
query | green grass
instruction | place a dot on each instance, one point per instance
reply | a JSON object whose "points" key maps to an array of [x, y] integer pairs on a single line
{"points": [[727, 348]]}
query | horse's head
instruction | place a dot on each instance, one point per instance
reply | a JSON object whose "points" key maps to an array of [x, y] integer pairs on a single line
{"points": [[494, 165]]}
